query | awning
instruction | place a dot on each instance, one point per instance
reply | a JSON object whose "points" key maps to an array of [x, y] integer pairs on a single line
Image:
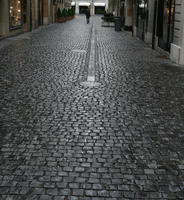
{"points": [[99, 4], [84, 4], [73, 3]]}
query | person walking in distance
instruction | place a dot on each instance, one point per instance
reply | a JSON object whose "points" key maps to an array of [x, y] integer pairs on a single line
{"points": [[87, 15]]}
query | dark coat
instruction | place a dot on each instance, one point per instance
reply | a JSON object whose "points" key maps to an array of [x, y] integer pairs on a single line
{"points": [[88, 13]]}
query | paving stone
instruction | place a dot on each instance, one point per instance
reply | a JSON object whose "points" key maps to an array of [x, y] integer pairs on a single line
{"points": [[45, 197], [78, 192], [39, 191], [91, 193], [80, 180], [52, 192], [79, 169], [97, 186], [4, 190], [103, 193], [86, 186], [74, 198], [93, 180], [59, 198], [66, 192], [74, 185], [116, 194]]}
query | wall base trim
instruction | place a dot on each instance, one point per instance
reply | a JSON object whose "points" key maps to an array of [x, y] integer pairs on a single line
{"points": [[175, 53]]}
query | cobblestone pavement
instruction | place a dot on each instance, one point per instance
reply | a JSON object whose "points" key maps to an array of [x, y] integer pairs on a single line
{"points": [[123, 139]]}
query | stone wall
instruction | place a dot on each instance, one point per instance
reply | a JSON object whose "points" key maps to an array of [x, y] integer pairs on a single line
{"points": [[4, 17], [177, 22], [177, 48]]}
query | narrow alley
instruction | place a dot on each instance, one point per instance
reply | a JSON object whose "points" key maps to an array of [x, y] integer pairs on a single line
{"points": [[88, 113]]}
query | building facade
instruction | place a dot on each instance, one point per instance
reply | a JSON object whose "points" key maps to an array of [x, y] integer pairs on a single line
{"points": [[25, 15], [96, 6], [159, 23], [114, 6], [177, 46]]}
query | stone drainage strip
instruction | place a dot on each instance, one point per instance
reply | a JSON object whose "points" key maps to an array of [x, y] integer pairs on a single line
{"points": [[91, 67]]}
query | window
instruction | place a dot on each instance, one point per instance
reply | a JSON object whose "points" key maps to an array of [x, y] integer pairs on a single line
{"points": [[15, 13]]}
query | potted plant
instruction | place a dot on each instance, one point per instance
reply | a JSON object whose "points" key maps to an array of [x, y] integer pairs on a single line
{"points": [[70, 13], [73, 13], [65, 14], [108, 20], [60, 18]]}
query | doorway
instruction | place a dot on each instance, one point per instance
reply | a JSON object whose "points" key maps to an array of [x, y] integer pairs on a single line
{"points": [[99, 10], [40, 12], [83, 9], [142, 18], [165, 24]]}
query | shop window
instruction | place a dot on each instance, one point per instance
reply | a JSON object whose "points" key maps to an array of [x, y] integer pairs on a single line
{"points": [[15, 13]]}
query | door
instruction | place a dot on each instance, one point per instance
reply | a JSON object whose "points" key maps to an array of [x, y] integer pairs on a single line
{"points": [[40, 12], [165, 23]]}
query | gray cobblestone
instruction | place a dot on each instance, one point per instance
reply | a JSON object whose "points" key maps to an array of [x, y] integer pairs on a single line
{"points": [[61, 140], [78, 192], [59, 198], [91, 193], [45, 197]]}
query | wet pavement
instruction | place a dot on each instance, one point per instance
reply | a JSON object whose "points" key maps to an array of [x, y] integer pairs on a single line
{"points": [[63, 137]]}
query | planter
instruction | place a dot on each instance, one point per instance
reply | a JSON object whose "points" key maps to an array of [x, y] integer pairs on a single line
{"points": [[107, 24], [61, 19], [69, 18]]}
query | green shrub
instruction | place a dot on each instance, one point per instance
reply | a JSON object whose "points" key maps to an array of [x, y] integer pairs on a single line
{"points": [[108, 15], [59, 14], [65, 13], [70, 12], [108, 19], [73, 11]]}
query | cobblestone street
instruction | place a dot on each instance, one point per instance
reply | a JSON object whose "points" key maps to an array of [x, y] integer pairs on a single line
{"points": [[64, 138]]}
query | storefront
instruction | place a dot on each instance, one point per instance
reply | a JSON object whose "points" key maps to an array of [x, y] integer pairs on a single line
{"points": [[19, 14], [165, 25], [83, 6], [15, 14], [142, 18], [99, 8]]}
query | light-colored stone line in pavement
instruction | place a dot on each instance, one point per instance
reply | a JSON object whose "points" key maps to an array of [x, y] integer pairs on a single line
{"points": [[91, 66]]}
